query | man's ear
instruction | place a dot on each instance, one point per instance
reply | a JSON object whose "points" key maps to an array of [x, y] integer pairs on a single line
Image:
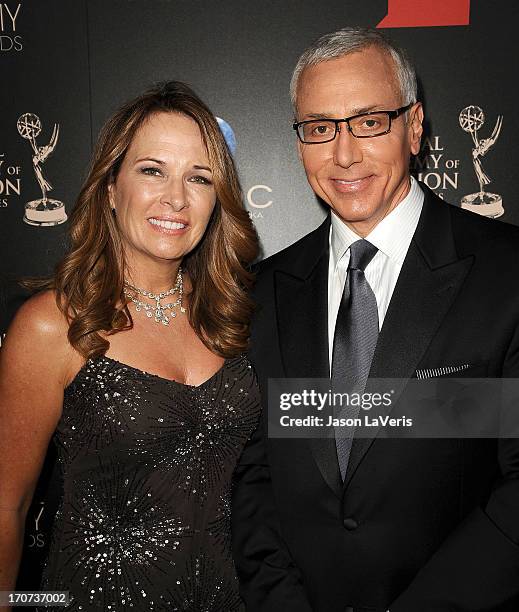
{"points": [[415, 128], [299, 144], [299, 149]]}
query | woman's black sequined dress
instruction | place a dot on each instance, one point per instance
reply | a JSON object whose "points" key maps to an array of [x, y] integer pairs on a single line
{"points": [[144, 522]]}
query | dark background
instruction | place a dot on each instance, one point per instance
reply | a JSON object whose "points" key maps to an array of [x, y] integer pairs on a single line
{"points": [[73, 62]]}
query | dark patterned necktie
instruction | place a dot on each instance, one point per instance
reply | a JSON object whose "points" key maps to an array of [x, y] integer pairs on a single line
{"points": [[355, 338]]}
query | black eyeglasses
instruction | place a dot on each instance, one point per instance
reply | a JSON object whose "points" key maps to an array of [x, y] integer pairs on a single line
{"points": [[365, 125]]}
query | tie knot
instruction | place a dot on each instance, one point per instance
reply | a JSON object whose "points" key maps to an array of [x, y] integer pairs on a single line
{"points": [[361, 253]]}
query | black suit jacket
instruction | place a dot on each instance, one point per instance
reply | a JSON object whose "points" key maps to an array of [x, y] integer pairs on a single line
{"points": [[419, 525]]}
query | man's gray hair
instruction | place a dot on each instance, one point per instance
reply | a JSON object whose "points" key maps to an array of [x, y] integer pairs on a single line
{"points": [[351, 39]]}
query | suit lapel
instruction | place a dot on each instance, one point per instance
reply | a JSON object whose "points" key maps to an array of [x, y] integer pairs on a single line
{"points": [[427, 285], [302, 314], [301, 289]]}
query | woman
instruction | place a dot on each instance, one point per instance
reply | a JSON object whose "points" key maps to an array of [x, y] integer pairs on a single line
{"points": [[132, 359]]}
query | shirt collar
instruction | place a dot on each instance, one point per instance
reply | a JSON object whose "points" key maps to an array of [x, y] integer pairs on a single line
{"points": [[391, 236]]}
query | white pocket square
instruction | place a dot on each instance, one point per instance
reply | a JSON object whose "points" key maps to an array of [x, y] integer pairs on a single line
{"points": [[434, 372]]}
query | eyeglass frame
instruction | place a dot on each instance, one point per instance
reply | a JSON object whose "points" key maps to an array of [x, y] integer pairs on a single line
{"points": [[392, 114]]}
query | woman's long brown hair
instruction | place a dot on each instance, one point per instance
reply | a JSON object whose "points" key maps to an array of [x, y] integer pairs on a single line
{"points": [[89, 280]]}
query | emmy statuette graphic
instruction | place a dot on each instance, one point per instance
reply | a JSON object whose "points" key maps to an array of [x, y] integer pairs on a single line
{"points": [[482, 202], [44, 211]]}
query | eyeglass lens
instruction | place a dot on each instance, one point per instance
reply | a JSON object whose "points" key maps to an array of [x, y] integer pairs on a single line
{"points": [[363, 126]]}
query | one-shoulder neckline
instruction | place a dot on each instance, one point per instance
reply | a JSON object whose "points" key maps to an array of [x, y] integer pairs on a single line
{"points": [[127, 366]]}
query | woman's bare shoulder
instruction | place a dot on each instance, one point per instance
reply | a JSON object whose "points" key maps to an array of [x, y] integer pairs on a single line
{"points": [[40, 316], [41, 329]]}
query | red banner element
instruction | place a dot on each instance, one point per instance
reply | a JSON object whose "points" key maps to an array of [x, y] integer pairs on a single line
{"points": [[426, 13]]}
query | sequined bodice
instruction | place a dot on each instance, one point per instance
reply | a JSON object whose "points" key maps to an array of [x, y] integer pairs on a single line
{"points": [[146, 462]]}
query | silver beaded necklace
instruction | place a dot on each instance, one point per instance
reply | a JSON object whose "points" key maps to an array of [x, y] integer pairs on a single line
{"points": [[158, 310]]}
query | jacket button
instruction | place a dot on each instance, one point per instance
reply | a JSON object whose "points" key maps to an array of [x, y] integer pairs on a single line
{"points": [[350, 523]]}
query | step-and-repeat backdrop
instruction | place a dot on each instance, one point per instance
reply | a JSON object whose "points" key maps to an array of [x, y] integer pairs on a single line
{"points": [[65, 66]]}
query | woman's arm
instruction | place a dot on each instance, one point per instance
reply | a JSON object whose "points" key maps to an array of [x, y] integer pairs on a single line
{"points": [[36, 363]]}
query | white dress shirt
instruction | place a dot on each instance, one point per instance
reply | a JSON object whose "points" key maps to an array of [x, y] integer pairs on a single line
{"points": [[392, 237]]}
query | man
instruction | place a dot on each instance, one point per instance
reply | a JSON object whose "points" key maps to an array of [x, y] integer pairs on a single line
{"points": [[395, 283]]}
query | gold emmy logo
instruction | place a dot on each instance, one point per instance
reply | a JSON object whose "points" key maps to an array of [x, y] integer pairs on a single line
{"points": [[482, 202], [44, 211]]}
